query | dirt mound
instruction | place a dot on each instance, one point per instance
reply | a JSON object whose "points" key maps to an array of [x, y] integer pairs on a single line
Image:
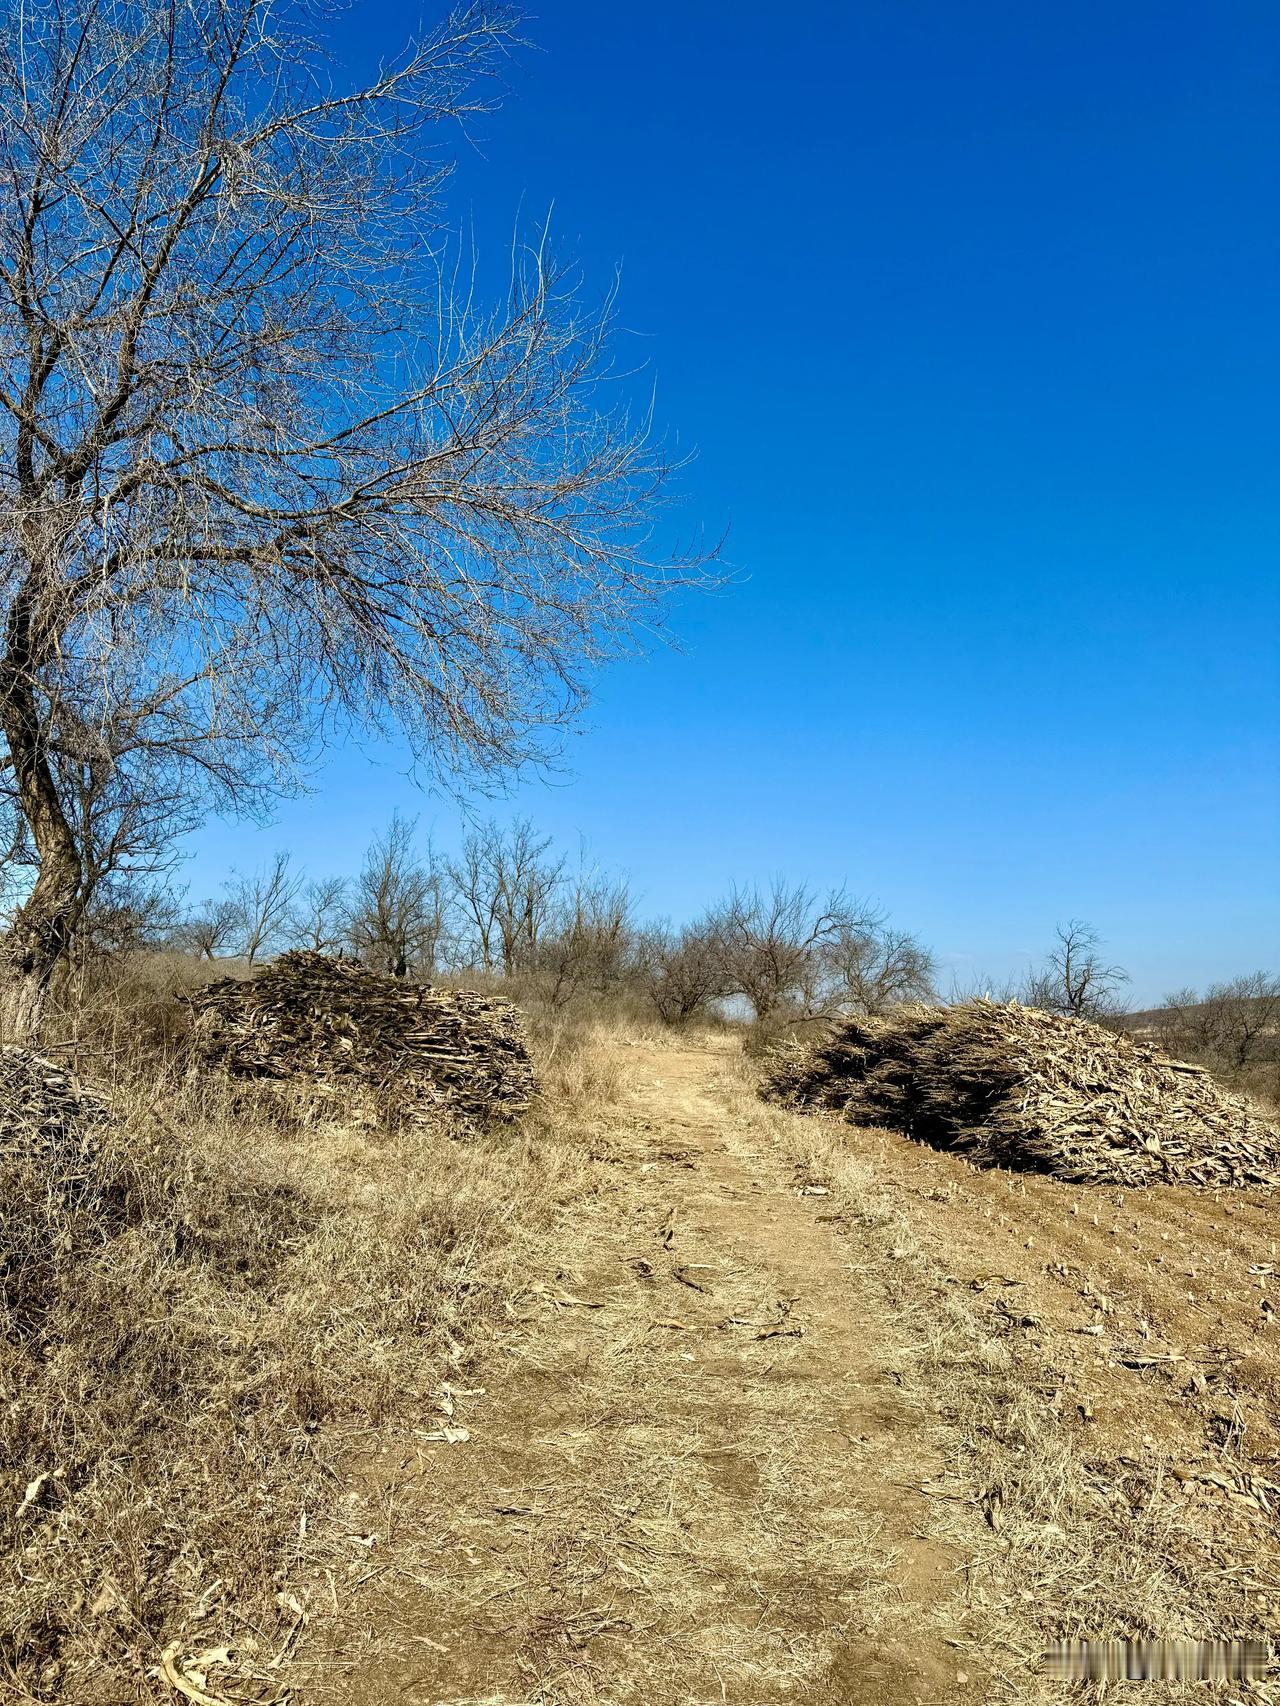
{"points": [[1012, 1086], [424, 1052], [59, 1198]]}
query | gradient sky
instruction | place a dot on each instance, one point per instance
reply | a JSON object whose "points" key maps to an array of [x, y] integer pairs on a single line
{"points": [[971, 314]]}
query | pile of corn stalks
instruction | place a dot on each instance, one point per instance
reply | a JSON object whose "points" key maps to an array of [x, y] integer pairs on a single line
{"points": [[423, 1052], [1012, 1086], [58, 1197]]}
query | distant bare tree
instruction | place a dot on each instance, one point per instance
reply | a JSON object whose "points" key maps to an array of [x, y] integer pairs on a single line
{"points": [[682, 971], [773, 944], [600, 920], [263, 469], [868, 967], [396, 920], [319, 919], [586, 943], [1245, 1015], [1233, 1024], [210, 929], [504, 885], [261, 905], [1076, 980]]}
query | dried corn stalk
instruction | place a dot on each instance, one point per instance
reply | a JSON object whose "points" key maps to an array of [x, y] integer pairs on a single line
{"points": [[1012, 1086], [424, 1051]]}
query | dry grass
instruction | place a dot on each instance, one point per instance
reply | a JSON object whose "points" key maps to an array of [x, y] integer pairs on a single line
{"points": [[1073, 1544], [280, 1283]]}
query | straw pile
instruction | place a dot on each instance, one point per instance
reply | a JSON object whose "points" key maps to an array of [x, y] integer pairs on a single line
{"points": [[423, 1052], [59, 1198], [1011, 1086]]}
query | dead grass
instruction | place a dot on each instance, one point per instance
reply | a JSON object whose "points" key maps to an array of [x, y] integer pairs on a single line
{"points": [[1073, 1544], [283, 1283]]}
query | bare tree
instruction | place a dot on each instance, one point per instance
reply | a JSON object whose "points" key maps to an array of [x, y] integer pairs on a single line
{"points": [[262, 905], [1233, 1024], [126, 913], [587, 941], [319, 919], [396, 921], [263, 468], [869, 967], [126, 806], [1179, 1023], [1245, 1015], [209, 930], [505, 886], [682, 971], [1076, 980], [598, 918], [773, 944]]}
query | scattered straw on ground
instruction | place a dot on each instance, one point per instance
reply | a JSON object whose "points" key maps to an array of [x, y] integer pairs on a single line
{"points": [[423, 1051], [1015, 1087]]}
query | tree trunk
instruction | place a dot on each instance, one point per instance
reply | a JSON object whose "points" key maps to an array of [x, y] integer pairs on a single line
{"points": [[42, 931], [38, 941]]}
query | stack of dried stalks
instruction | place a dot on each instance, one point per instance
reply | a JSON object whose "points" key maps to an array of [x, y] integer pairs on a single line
{"points": [[59, 1198], [422, 1052], [1015, 1087]]}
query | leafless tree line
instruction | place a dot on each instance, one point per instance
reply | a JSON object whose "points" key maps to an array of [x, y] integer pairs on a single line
{"points": [[1232, 1025], [508, 905]]}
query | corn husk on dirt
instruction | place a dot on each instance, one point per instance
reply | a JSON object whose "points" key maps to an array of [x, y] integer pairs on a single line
{"points": [[425, 1052], [1011, 1086]]}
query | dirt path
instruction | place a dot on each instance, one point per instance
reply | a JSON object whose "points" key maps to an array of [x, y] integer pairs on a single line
{"points": [[694, 1474]]}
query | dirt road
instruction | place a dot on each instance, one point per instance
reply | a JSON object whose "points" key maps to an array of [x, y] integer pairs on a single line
{"points": [[695, 1472], [789, 1411]]}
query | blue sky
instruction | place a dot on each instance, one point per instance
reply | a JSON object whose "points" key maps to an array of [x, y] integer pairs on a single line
{"points": [[971, 314]]}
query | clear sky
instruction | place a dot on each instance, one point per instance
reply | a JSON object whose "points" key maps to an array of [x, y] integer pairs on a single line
{"points": [[971, 313]]}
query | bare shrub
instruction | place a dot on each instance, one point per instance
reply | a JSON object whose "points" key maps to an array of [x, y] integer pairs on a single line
{"points": [[1240, 1019], [1233, 1029]]}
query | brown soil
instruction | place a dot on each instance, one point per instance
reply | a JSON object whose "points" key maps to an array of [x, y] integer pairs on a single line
{"points": [[1143, 1316], [694, 1474]]}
